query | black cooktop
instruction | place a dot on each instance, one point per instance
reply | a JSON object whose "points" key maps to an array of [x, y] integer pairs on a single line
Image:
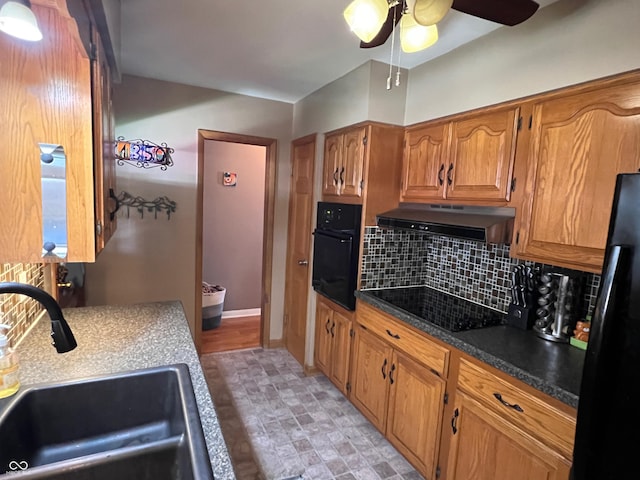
{"points": [[447, 311]]}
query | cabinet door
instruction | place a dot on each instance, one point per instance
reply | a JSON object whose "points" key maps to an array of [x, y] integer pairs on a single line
{"points": [[482, 155], [332, 161], [424, 158], [416, 403], [324, 317], [104, 160], [341, 350], [579, 143], [370, 376], [487, 447], [352, 167], [46, 98]]}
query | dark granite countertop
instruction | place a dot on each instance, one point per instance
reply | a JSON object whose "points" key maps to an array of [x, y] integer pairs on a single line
{"points": [[552, 368]]}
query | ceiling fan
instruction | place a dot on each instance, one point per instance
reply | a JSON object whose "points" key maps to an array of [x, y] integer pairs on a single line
{"points": [[429, 12]]}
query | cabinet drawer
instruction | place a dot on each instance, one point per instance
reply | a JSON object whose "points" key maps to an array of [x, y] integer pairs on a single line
{"points": [[403, 338], [552, 426]]}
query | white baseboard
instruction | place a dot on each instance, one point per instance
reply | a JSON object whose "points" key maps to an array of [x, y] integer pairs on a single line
{"points": [[249, 312]]}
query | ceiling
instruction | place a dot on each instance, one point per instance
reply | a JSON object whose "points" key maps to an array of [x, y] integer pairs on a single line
{"points": [[276, 49]]}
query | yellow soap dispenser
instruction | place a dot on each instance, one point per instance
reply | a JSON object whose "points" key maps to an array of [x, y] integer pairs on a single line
{"points": [[9, 380]]}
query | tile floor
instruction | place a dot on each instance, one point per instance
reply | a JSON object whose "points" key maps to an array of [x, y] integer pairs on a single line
{"points": [[280, 424]]}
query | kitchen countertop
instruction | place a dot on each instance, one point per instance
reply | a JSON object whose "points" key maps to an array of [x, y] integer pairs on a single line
{"points": [[552, 368], [119, 338]]}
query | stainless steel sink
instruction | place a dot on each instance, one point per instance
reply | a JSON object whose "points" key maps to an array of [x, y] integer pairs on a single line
{"points": [[142, 424]]}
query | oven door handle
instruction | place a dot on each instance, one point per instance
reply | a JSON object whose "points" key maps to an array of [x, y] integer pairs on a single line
{"points": [[343, 237]]}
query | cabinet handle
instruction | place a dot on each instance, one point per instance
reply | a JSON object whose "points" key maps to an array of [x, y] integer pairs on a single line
{"points": [[394, 335], [393, 367], [335, 177], [454, 421], [449, 171], [333, 329], [384, 365], [326, 326], [342, 175], [112, 214], [441, 175], [515, 406]]}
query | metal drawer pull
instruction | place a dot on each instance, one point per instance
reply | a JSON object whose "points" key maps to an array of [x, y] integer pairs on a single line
{"points": [[454, 421], [326, 326], [441, 175], [384, 365], [335, 177], [394, 335], [333, 329], [393, 367], [515, 406]]}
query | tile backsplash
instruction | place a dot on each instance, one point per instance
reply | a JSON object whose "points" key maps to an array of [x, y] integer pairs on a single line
{"points": [[468, 269], [19, 311]]}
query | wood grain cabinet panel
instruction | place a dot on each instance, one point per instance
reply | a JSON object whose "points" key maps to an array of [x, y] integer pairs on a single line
{"points": [[344, 163], [485, 446], [333, 342], [579, 143], [482, 156], [332, 161]]}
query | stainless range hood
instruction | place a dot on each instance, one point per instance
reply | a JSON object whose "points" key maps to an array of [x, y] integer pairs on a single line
{"points": [[481, 224]]}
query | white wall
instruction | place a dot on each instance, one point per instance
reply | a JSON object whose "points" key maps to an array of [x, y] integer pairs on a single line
{"points": [[151, 260], [233, 219], [568, 42]]}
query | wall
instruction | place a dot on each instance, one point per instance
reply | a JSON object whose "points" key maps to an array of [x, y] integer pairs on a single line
{"points": [[151, 260], [19, 311], [233, 218], [568, 42], [471, 270]]}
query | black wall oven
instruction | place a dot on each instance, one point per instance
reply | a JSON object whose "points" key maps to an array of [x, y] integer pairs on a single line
{"points": [[335, 252]]}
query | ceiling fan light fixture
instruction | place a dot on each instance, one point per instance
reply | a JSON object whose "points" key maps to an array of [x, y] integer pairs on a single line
{"points": [[429, 12], [365, 17], [17, 20], [415, 37]]}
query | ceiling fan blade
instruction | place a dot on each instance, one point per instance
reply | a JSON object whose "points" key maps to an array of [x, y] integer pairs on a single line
{"points": [[506, 12], [387, 27]]}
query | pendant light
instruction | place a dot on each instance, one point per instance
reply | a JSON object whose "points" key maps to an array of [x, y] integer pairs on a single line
{"points": [[17, 20], [429, 12], [365, 17], [415, 37]]}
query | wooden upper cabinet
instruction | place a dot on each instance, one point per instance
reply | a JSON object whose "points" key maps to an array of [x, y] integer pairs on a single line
{"points": [[424, 159], [103, 145], [579, 143], [482, 155], [468, 158], [46, 98], [343, 171]]}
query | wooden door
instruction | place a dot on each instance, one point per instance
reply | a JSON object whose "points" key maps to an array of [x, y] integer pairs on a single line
{"points": [[416, 403], [341, 352], [370, 376], [424, 162], [482, 155], [352, 167], [579, 143], [303, 152], [324, 318], [331, 164], [487, 447], [103, 144]]}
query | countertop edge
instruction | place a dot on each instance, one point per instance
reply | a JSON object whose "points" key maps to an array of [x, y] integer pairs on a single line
{"points": [[519, 373]]}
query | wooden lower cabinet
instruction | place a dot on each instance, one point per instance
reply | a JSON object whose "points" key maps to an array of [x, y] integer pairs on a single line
{"points": [[485, 446], [401, 397], [333, 342]]}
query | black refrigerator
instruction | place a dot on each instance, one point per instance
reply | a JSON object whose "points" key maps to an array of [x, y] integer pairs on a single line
{"points": [[607, 443]]}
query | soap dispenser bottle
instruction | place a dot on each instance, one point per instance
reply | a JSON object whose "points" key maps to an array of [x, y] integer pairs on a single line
{"points": [[9, 380]]}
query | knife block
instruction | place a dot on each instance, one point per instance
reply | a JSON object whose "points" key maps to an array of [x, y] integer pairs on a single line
{"points": [[521, 317]]}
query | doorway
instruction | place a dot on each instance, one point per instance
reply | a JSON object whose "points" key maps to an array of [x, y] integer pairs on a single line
{"points": [[236, 330]]}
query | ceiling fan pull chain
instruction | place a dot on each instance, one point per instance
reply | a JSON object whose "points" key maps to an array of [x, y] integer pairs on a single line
{"points": [[393, 41]]}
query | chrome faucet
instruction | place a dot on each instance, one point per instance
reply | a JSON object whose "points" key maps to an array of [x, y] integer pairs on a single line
{"points": [[61, 335]]}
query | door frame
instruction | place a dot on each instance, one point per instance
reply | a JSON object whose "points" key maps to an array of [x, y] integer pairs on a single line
{"points": [[267, 234]]}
